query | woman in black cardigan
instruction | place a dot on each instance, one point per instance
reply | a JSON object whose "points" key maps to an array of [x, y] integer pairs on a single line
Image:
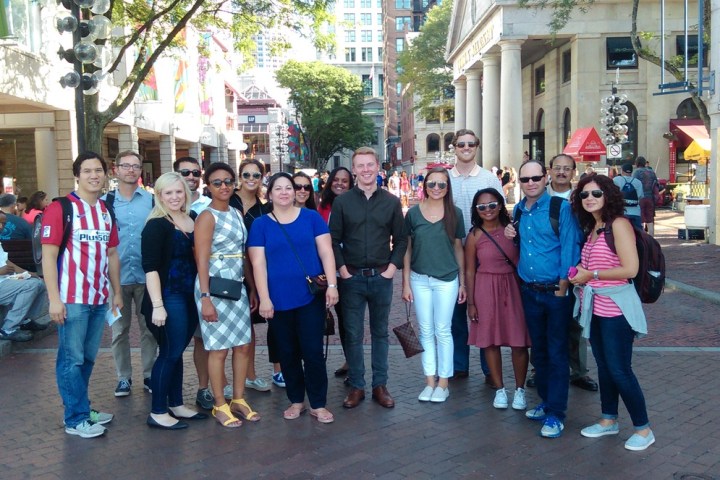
{"points": [[169, 306]]}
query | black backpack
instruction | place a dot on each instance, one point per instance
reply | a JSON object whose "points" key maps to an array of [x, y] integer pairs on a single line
{"points": [[650, 279], [629, 193]]}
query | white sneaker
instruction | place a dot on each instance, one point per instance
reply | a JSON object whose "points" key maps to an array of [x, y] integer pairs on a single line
{"points": [[501, 400], [519, 402], [426, 394], [86, 429], [440, 394]]}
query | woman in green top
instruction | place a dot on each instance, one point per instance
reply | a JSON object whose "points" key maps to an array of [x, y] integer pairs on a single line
{"points": [[433, 278]]}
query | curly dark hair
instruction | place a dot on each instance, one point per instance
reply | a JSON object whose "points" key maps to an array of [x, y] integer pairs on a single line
{"points": [[614, 202], [327, 195], [311, 198], [449, 216], [475, 217]]}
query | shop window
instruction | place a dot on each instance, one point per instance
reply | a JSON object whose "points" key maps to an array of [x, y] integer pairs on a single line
{"points": [[620, 53], [540, 80], [692, 49]]}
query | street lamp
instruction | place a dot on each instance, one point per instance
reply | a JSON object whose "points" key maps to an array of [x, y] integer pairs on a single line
{"points": [[281, 135]]}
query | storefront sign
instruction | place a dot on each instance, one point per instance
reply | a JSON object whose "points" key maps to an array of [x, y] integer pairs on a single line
{"points": [[470, 54]]}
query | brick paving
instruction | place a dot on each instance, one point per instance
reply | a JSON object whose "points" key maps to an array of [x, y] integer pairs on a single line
{"points": [[462, 438]]}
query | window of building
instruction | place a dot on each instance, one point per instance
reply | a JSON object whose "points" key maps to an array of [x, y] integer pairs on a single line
{"points": [[350, 54], [349, 35], [381, 85], [366, 36], [566, 66], [398, 106], [540, 121], [620, 53], [402, 22], [379, 19], [379, 35], [692, 49], [432, 143], [540, 80], [367, 85], [449, 138], [380, 54], [399, 129], [349, 3], [24, 23], [403, 4], [349, 18], [365, 3], [399, 44], [366, 54], [566, 126], [687, 109], [379, 3], [366, 18], [418, 21], [398, 87]]}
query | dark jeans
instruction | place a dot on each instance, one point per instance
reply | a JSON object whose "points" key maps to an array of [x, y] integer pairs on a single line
{"points": [[272, 345], [167, 373], [547, 317], [461, 349], [299, 337], [355, 293], [612, 343]]}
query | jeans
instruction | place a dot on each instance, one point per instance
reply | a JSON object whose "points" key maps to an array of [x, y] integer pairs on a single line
{"points": [[461, 349], [435, 302], [612, 342], [548, 318], [299, 337], [121, 334], [355, 293], [78, 343], [167, 373]]}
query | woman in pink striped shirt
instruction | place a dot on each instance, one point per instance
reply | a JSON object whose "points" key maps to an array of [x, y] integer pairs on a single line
{"points": [[617, 316]]}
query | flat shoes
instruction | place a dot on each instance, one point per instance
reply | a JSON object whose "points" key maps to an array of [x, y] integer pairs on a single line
{"points": [[154, 424]]}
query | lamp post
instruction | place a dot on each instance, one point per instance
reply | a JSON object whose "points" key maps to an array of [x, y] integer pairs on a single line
{"points": [[281, 149]]}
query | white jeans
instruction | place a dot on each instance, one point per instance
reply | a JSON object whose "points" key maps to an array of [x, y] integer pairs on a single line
{"points": [[434, 304]]}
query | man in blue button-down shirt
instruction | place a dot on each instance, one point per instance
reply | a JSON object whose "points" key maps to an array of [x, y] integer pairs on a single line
{"points": [[132, 205], [545, 258]]}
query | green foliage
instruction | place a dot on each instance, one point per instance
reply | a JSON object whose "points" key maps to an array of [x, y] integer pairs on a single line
{"points": [[423, 63], [328, 101]]}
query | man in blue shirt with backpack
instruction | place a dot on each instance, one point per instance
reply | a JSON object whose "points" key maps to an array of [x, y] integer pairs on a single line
{"points": [[632, 190]]}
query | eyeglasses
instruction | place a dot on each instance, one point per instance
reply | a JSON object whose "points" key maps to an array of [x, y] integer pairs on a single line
{"points": [[534, 178], [307, 187], [469, 144], [440, 185], [486, 206], [228, 182], [562, 169], [254, 175], [595, 193], [186, 173], [130, 166]]}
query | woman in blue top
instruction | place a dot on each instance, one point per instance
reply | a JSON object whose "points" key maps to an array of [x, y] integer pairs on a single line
{"points": [[284, 247]]}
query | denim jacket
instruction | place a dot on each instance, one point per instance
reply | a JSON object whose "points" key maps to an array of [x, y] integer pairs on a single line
{"points": [[624, 296]]}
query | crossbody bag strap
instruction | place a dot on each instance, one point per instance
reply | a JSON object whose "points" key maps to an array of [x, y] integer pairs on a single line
{"points": [[507, 259], [292, 247]]}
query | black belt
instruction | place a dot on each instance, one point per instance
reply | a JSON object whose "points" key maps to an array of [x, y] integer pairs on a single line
{"points": [[367, 271], [542, 287]]}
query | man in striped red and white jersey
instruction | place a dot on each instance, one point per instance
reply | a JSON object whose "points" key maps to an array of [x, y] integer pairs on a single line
{"points": [[78, 280]]}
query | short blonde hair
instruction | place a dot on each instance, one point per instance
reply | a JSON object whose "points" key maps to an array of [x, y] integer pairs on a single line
{"points": [[364, 151]]}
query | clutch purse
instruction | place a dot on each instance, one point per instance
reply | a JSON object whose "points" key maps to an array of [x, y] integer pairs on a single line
{"points": [[407, 337], [226, 288], [317, 284]]}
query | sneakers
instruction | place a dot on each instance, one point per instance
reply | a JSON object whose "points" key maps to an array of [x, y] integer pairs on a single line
{"points": [[426, 394], [258, 384], [552, 427], [123, 388], [204, 399], [597, 430], [16, 336], [440, 394], [537, 413], [501, 400], [146, 385], [638, 443], [228, 392], [86, 429], [101, 418], [519, 402], [278, 379]]}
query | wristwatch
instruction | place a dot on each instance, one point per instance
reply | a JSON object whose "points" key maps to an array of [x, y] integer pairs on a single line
{"points": [[331, 285], [596, 275], [205, 294]]}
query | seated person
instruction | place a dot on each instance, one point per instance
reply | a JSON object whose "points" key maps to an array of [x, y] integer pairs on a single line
{"points": [[16, 228], [23, 295]]}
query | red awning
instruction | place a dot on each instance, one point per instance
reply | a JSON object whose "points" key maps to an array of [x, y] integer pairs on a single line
{"points": [[688, 130], [585, 142]]}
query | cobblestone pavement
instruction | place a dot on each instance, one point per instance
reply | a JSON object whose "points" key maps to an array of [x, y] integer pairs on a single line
{"points": [[462, 438]]}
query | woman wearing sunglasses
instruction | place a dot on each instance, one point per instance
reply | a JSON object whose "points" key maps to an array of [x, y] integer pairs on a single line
{"points": [[494, 304], [433, 278], [610, 310], [304, 197], [220, 238]]}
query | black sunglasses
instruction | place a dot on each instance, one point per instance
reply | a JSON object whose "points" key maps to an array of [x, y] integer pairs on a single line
{"points": [[306, 187], [186, 173], [440, 185], [219, 183], [254, 175], [486, 206], [595, 193], [534, 178], [469, 144]]}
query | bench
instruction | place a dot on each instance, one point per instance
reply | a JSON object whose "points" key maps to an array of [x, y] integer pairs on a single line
{"points": [[20, 253]]}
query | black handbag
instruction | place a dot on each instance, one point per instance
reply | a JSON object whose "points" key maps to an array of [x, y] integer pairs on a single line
{"points": [[226, 288], [407, 337]]}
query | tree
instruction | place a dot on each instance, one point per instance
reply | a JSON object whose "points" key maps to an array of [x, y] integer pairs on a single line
{"points": [[153, 26], [562, 13], [329, 102], [424, 66]]}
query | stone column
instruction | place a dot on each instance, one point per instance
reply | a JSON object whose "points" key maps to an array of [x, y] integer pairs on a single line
{"points": [[167, 153], [474, 102], [491, 112], [47, 162], [127, 138], [195, 151], [511, 131], [460, 103], [65, 150]]}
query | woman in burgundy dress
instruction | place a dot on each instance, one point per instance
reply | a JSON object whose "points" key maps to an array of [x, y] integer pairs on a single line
{"points": [[494, 306]]}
